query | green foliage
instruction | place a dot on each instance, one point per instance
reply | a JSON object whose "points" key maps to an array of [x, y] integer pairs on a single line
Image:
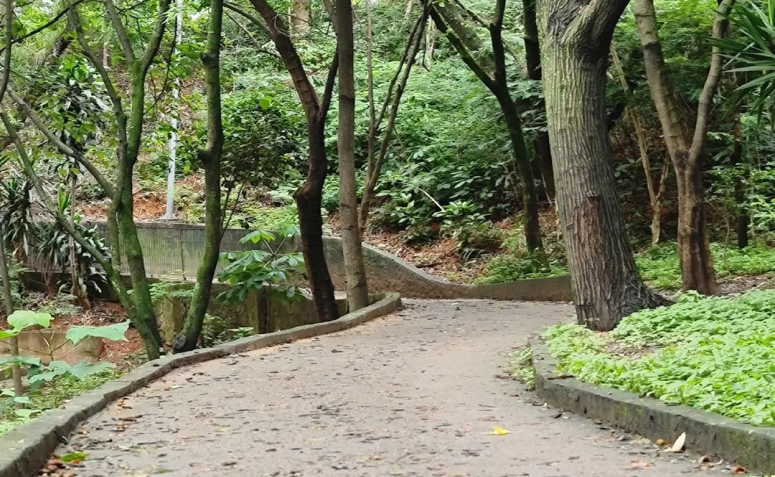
{"points": [[115, 332], [660, 268], [711, 353], [60, 390], [38, 373], [266, 266], [753, 53], [511, 267], [163, 290], [517, 263], [215, 330], [523, 367]]}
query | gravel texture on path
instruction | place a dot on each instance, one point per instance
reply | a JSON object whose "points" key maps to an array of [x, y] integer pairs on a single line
{"points": [[412, 394]]}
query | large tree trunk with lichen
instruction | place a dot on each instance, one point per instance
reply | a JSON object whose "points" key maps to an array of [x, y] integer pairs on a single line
{"points": [[686, 151], [355, 271], [604, 278]]}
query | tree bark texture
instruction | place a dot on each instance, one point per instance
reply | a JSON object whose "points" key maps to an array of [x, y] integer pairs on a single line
{"points": [[211, 162], [575, 40], [686, 152], [355, 271], [309, 196]]}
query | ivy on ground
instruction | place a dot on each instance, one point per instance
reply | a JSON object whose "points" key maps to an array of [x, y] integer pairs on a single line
{"points": [[715, 354]]}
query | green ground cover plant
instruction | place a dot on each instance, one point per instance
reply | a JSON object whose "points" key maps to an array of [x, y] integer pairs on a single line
{"points": [[660, 269], [715, 354]]}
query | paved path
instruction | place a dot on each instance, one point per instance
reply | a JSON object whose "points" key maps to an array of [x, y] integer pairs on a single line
{"points": [[413, 394]]}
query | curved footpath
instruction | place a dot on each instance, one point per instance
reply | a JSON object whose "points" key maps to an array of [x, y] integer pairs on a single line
{"points": [[412, 394]]}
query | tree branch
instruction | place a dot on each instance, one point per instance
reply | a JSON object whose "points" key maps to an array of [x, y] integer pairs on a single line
{"points": [[46, 25], [328, 91], [395, 77], [118, 26], [52, 209], [158, 34], [249, 17], [705, 106], [61, 146], [258, 45], [465, 55]]}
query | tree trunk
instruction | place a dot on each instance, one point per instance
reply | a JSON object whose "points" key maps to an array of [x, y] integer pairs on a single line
{"points": [[453, 16], [309, 200], [143, 314], [5, 276], [357, 290], [374, 164], [742, 219], [694, 246], [522, 162], [211, 162], [498, 85], [656, 212], [541, 144], [79, 293], [309, 197], [604, 278]]}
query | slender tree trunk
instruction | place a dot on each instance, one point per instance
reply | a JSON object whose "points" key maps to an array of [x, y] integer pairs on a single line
{"points": [[694, 248], [374, 165], [5, 276], [656, 212], [541, 145], [363, 212], [604, 278], [742, 219], [309, 200], [78, 292], [522, 162], [211, 162], [309, 197], [357, 290], [497, 83], [143, 313]]}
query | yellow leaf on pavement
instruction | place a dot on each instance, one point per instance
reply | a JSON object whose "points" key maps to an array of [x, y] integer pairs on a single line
{"points": [[498, 431]]}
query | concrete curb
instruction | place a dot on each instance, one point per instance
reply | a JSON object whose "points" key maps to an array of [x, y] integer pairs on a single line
{"points": [[706, 433], [24, 450]]}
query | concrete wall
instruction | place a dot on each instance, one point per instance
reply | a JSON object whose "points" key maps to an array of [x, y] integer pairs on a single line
{"points": [[36, 344], [258, 311], [173, 251]]}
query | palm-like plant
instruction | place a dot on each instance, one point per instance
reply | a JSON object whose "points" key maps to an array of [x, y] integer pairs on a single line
{"points": [[753, 51]]}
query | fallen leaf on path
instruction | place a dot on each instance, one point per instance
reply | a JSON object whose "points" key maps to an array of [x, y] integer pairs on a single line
{"points": [[498, 431], [639, 464], [704, 459], [679, 443], [73, 457], [738, 470]]}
